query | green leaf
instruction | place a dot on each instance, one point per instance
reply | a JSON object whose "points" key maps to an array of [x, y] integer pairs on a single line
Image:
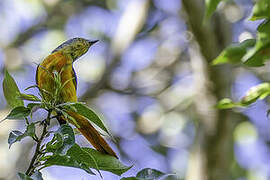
{"points": [[65, 160], [62, 141], [257, 55], [83, 157], [106, 162], [16, 136], [68, 138], [30, 130], [227, 103], [11, 91], [150, 174], [234, 53], [257, 92], [23, 176], [19, 112], [33, 106], [90, 115], [29, 97], [253, 58], [260, 91], [86, 158], [55, 143], [211, 6], [261, 10]]}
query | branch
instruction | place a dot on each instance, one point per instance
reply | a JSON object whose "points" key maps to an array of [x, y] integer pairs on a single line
{"points": [[213, 144], [37, 153]]}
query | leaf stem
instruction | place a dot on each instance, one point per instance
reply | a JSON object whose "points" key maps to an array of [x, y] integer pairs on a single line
{"points": [[26, 120], [37, 153]]}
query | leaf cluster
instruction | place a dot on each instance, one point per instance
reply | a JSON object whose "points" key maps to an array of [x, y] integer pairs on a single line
{"points": [[251, 53], [61, 149]]}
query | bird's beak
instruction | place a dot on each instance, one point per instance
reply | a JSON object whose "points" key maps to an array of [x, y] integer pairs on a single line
{"points": [[92, 42]]}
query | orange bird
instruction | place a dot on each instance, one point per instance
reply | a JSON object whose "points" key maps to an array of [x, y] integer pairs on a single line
{"points": [[60, 61]]}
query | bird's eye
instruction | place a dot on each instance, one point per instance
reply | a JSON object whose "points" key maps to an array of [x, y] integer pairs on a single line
{"points": [[79, 45]]}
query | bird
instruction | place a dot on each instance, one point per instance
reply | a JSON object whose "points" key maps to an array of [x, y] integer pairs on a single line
{"points": [[61, 61]]}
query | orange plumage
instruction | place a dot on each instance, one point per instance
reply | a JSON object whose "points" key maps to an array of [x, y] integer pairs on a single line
{"points": [[61, 61]]}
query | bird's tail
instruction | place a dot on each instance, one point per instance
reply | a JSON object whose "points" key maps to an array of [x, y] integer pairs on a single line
{"points": [[91, 134]]}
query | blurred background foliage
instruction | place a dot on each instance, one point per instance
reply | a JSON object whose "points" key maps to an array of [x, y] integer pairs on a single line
{"points": [[150, 77]]}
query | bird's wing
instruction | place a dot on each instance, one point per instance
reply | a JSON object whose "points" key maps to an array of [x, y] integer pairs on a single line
{"points": [[75, 78], [37, 74]]}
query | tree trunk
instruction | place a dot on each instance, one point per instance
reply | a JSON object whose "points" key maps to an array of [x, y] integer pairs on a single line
{"points": [[211, 156]]}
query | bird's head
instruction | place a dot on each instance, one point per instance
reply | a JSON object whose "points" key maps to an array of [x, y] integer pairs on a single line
{"points": [[75, 47]]}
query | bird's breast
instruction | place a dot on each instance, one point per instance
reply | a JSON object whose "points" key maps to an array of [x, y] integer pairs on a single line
{"points": [[57, 62]]}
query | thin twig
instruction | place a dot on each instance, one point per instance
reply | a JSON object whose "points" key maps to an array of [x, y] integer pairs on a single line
{"points": [[26, 120], [31, 167]]}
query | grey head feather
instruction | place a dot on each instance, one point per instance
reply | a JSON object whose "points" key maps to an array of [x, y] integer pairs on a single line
{"points": [[68, 42]]}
